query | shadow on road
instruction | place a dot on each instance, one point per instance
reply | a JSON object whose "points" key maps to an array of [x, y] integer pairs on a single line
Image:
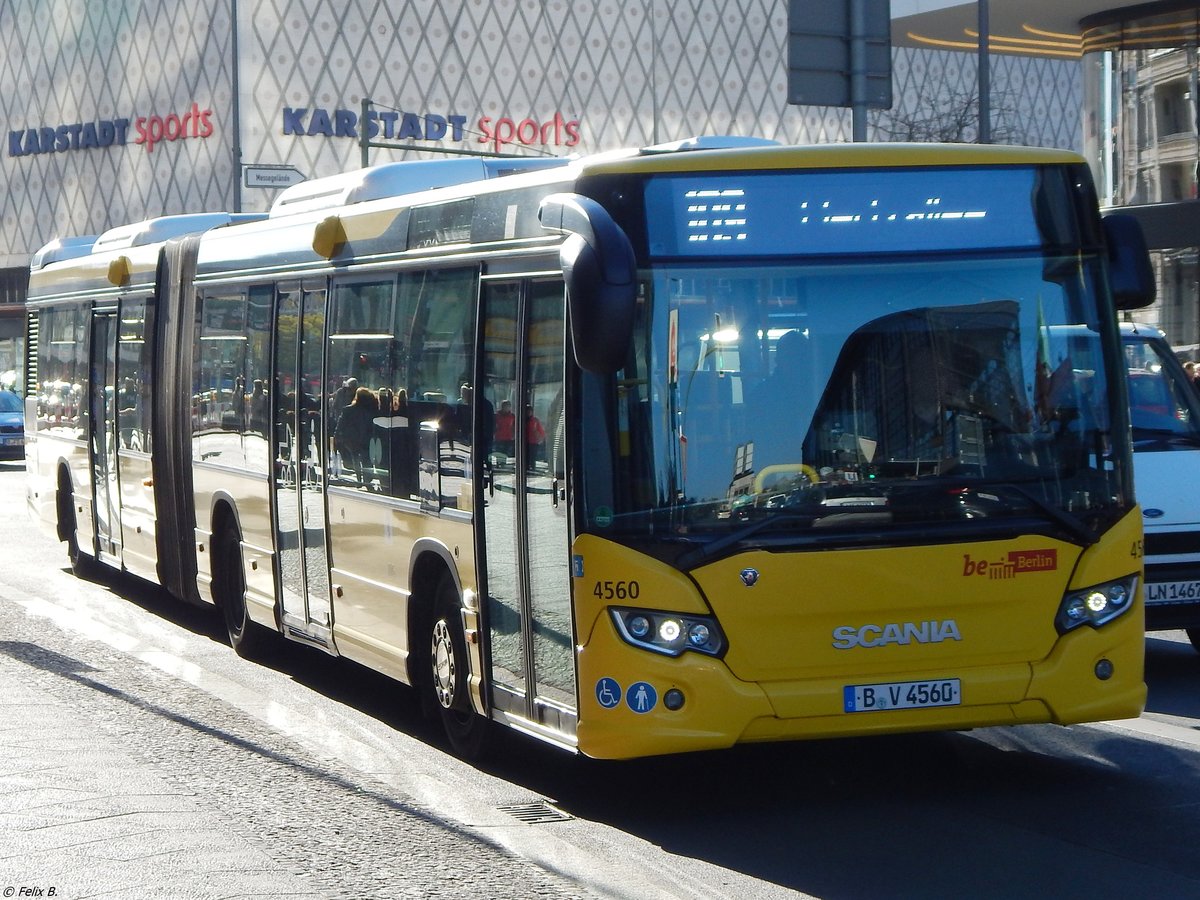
{"points": [[1173, 676], [1028, 811]]}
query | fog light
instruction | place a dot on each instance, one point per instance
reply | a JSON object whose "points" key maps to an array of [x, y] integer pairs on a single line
{"points": [[1104, 669], [673, 699]]}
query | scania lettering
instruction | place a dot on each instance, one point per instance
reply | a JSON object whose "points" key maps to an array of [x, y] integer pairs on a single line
{"points": [[655, 451], [846, 637]]}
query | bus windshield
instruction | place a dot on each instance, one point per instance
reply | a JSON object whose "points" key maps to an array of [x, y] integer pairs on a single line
{"points": [[842, 398]]}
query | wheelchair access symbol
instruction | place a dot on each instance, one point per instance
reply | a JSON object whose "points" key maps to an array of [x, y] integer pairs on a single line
{"points": [[608, 693]]}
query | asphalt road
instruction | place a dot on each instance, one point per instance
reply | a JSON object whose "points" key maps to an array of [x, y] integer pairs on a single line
{"points": [[329, 769]]}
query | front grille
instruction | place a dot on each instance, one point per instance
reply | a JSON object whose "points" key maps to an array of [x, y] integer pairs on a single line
{"points": [[1171, 542]]}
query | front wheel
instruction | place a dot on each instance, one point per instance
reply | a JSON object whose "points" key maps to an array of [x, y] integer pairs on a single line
{"points": [[466, 730]]}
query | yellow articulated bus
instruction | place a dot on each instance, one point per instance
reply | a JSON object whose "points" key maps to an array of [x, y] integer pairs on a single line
{"points": [[653, 451]]}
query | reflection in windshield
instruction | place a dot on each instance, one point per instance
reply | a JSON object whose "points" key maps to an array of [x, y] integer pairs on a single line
{"points": [[863, 396], [1162, 404]]}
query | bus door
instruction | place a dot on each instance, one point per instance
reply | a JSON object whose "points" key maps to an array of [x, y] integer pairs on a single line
{"points": [[525, 527], [102, 439], [298, 498]]}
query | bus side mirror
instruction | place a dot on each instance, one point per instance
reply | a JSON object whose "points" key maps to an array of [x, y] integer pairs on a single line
{"points": [[600, 272], [1130, 274]]}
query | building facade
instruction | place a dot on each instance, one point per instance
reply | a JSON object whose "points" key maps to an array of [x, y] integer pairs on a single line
{"points": [[116, 112], [1141, 76], [1139, 66]]}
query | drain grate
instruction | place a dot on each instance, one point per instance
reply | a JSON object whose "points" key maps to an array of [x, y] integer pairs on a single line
{"points": [[535, 813]]}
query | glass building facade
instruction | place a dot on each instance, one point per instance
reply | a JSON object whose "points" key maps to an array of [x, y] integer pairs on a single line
{"points": [[117, 112]]}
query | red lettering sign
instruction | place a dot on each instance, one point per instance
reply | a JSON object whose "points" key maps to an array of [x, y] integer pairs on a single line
{"points": [[195, 123], [1018, 562], [1034, 560]]}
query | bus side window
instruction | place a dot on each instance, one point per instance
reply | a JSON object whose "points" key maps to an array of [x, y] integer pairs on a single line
{"points": [[257, 425], [440, 365], [219, 397], [359, 393]]}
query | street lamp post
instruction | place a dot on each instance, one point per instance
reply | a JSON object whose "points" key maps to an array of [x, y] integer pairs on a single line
{"points": [[985, 88]]}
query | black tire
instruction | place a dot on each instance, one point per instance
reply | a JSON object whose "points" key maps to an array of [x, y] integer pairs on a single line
{"points": [[467, 731], [245, 636], [1194, 636], [82, 564]]}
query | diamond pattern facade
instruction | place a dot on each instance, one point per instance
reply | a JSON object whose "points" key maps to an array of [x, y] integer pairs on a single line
{"points": [[628, 73]]}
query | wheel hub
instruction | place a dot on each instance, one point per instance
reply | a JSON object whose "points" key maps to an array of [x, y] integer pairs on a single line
{"points": [[443, 665]]}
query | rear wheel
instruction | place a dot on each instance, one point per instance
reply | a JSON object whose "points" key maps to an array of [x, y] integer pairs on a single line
{"points": [[82, 564], [245, 637], [466, 730]]}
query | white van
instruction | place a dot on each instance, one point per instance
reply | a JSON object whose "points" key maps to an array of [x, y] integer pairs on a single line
{"points": [[1164, 410]]}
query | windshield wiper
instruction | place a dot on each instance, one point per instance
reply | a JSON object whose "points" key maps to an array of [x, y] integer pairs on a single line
{"points": [[704, 551], [1165, 434], [1068, 520]]}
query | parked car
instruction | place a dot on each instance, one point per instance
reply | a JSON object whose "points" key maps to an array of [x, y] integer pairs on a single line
{"points": [[12, 426], [1164, 410]]}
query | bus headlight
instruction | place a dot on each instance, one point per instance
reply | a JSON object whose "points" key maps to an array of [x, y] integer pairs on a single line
{"points": [[1096, 605], [669, 633]]}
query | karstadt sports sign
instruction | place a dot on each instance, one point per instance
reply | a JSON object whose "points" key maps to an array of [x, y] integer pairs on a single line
{"points": [[556, 131], [148, 131]]}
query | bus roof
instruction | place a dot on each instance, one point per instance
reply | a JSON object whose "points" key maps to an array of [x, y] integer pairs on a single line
{"points": [[826, 156], [378, 220], [394, 179], [163, 228], [119, 258], [61, 249], [367, 212]]}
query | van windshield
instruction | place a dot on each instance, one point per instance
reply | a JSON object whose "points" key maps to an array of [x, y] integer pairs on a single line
{"points": [[1162, 402]]}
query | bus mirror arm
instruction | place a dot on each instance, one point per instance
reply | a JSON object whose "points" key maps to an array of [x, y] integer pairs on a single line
{"points": [[1130, 274], [600, 271]]}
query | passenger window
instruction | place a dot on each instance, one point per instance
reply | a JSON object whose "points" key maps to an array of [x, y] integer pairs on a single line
{"points": [[135, 369], [399, 364], [258, 379], [436, 314], [62, 365], [220, 395], [360, 392]]}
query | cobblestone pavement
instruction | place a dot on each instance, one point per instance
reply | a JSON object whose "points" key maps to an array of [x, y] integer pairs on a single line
{"points": [[119, 781]]}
